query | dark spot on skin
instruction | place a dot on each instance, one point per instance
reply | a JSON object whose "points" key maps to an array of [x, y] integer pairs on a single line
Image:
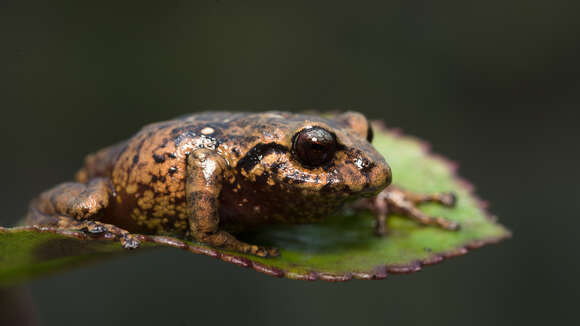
{"points": [[275, 167], [171, 155], [251, 139], [295, 178], [176, 132], [261, 179], [193, 197], [346, 189], [356, 157], [181, 134], [210, 138], [154, 178], [172, 170], [214, 141], [137, 151], [328, 187], [329, 167], [197, 197], [255, 155], [366, 166], [159, 158], [121, 151]]}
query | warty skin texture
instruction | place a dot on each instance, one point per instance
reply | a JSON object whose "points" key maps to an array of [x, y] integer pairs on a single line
{"points": [[210, 174]]}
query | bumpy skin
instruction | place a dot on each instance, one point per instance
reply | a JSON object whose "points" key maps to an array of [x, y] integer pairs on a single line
{"points": [[206, 175]]}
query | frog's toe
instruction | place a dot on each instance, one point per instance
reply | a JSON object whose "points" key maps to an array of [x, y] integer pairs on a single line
{"points": [[264, 252], [259, 251], [95, 228], [448, 199], [449, 225], [129, 241], [273, 252]]}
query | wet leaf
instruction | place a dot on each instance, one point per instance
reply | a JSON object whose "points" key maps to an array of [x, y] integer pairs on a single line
{"points": [[341, 248]]}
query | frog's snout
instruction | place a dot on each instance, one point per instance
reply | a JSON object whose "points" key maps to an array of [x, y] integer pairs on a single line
{"points": [[379, 177], [365, 170], [387, 176]]}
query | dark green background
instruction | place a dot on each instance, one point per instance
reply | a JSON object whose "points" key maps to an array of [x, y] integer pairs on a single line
{"points": [[493, 85]]}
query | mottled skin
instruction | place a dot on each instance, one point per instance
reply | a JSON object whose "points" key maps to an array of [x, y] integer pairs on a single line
{"points": [[206, 175]]}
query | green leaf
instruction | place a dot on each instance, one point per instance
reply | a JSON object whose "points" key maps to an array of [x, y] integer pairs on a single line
{"points": [[341, 248]]}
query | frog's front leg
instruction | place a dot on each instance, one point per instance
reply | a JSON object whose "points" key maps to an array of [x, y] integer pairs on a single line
{"points": [[205, 170], [400, 201], [78, 206]]}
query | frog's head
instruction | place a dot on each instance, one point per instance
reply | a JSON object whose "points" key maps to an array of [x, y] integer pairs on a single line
{"points": [[340, 151], [318, 160]]}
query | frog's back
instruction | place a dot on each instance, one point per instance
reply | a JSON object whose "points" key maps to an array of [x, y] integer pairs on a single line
{"points": [[148, 171]]}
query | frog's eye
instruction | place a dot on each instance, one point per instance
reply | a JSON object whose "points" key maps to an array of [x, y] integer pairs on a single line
{"points": [[314, 146], [370, 133]]}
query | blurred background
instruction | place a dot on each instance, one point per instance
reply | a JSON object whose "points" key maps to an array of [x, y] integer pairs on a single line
{"points": [[493, 85]]}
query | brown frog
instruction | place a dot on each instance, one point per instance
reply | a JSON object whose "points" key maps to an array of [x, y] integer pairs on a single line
{"points": [[208, 175]]}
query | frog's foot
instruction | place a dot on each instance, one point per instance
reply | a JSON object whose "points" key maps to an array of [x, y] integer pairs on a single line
{"points": [[77, 206], [128, 240], [444, 198], [224, 240], [109, 231], [396, 200]]}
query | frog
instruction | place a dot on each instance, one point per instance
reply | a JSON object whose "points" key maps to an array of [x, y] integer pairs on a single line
{"points": [[209, 176]]}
